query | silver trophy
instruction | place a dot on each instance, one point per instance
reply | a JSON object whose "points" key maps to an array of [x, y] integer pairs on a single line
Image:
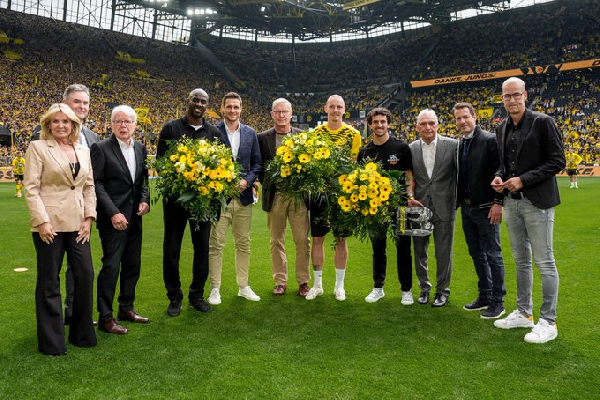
{"points": [[414, 221]]}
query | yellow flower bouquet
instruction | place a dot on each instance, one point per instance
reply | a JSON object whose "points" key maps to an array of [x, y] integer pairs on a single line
{"points": [[201, 175], [305, 163], [368, 199]]}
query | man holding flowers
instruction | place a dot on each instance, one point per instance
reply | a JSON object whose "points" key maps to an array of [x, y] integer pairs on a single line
{"points": [[281, 208], [393, 154], [245, 150], [348, 138], [192, 125]]}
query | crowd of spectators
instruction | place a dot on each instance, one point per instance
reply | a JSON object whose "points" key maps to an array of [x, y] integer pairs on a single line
{"points": [[307, 77]]}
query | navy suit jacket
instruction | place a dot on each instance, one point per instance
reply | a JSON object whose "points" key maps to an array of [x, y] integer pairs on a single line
{"points": [[115, 190], [248, 157]]}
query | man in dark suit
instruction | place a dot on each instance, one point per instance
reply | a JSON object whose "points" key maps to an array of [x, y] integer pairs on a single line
{"points": [[121, 179], [77, 97], [281, 209], [531, 154], [481, 210], [192, 125], [238, 213], [434, 182]]}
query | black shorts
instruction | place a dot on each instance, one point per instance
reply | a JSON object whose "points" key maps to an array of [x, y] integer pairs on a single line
{"points": [[319, 226], [571, 172], [19, 177]]}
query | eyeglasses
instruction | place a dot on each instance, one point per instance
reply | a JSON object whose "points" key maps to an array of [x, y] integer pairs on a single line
{"points": [[282, 112], [516, 96], [123, 121]]}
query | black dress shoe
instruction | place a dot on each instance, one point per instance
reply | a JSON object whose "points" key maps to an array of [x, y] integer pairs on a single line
{"points": [[440, 300], [200, 305], [423, 298], [174, 308], [132, 316]]}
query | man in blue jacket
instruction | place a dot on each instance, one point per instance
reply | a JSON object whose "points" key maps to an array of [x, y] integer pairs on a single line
{"points": [[481, 209], [244, 146]]}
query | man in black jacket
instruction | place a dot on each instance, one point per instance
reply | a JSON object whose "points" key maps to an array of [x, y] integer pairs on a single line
{"points": [[531, 154], [121, 179], [192, 125], [481, 210]]}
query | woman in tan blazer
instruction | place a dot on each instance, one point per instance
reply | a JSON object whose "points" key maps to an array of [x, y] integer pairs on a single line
{"points": [[60, 195]]}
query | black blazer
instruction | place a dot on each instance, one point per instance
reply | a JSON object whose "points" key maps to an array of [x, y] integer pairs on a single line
{"points": [[483, 161], [267, 143], [115, 190], [540, 156]]}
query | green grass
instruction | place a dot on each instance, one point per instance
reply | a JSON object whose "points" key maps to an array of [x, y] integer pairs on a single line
{"points": [[287, 347]]}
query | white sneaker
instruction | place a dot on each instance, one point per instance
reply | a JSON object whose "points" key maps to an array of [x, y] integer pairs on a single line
{"points": [[314, 292], [248, 294], [340, 294], [407, 298], [514, 320], [215, 297], [542, 332], [375, 295]]}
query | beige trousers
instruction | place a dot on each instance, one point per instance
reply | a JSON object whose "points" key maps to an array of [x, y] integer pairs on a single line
{"points": [[297, 214]]}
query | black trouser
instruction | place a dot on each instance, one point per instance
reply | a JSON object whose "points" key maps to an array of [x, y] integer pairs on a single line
{"points": [[403, 261], [48, 305], [122, 248], [175, 221]]}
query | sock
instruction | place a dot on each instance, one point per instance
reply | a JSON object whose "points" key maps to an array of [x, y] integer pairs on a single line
{"points": [[318, 279], [339, 278]]}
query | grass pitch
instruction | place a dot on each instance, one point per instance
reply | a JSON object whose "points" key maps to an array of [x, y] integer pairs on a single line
{"points": [[287, 347]]}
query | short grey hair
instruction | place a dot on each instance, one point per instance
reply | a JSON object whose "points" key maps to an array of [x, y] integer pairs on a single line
{"points": [[427, 111], [130, 112], [281, 100], [75, 87]]}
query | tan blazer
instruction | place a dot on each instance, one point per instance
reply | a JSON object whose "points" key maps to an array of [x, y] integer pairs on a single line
{"points": [[51, 193]]}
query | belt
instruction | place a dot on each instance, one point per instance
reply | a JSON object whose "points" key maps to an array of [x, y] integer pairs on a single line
{"points": [[516, 195]]}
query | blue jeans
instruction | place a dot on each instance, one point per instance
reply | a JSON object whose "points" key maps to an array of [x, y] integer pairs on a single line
{"points": [[530, 229], [483, 240]]}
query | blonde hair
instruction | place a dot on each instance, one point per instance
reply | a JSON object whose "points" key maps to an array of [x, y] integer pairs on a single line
{"points": [[48, 115]]}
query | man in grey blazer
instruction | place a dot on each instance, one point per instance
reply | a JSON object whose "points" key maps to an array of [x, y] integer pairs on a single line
{"points": [[77, 97], [435, 169]]}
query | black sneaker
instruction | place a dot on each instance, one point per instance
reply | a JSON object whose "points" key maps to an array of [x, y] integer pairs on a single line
{"points": [[200, 305], [478, 304], [495, 310], [174, 308]]}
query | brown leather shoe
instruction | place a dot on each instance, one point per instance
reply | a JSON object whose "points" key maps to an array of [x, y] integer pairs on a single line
{"points": [[303, 290], [279, 290], [111, 326], [132, 316]]}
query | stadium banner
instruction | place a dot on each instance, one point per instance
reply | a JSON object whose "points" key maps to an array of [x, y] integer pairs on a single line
{"points": [[584, 170], [536, 70]]}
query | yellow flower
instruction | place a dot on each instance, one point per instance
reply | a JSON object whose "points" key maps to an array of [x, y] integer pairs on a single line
{"points": [[303, 158], [281, 150], [287, 157], [384, 196], [326, 153], [213, 174], [385, 189], [348, 187], [341, 179], [354, 197], [364, 212], [372, 211], [182, 159], [342, 201], [374, 203], [362, 196], [362, 188], [289, 143], [182, 149], [372, 194], [347, 208], [203, 190], [363, 177], [174, 157], [373, 186], [371, 166]]}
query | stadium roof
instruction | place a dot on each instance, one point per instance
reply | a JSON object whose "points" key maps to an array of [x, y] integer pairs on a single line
{"points": [[309, 19]]}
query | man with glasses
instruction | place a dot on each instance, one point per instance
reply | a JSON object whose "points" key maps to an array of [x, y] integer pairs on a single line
{"points": [[281, 209], [531, 154], [121, 180]]}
